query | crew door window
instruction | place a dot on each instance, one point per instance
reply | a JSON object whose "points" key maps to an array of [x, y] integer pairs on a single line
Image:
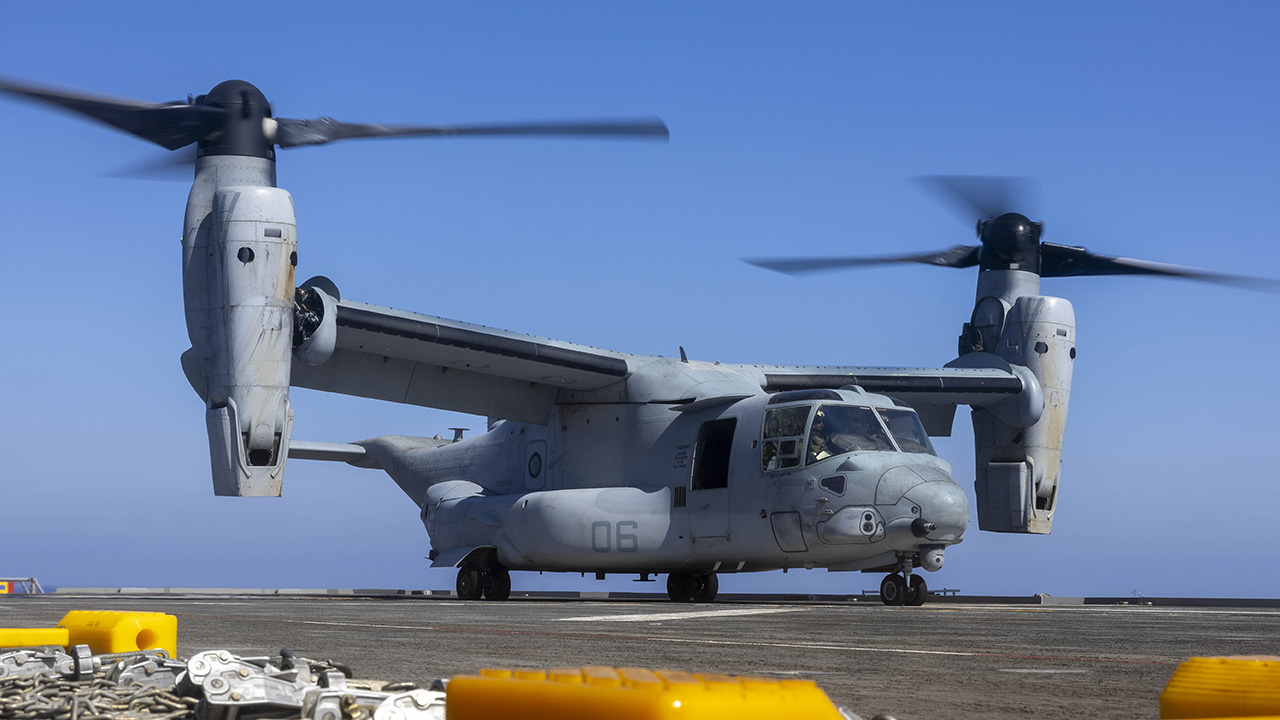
{"points": [[711, 457], [783, 437]]}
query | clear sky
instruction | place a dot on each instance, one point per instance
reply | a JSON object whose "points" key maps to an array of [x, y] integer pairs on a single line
{"points": [[1152, 128]]}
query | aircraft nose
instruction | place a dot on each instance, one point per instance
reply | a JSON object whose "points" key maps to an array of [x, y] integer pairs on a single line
{"points": [[944, 506]]}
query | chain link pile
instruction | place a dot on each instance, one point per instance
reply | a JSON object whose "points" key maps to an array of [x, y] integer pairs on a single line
{"points": [[96, 698], [52, 684]]}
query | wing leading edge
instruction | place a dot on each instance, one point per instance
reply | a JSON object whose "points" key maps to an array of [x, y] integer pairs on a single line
{"points": [[933, 392]]}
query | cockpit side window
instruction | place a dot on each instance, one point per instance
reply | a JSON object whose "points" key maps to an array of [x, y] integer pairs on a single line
{"points": [[783, 437], [839, 429], [907, 430]]}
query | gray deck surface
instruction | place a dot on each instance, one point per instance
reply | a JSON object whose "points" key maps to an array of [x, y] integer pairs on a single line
{"points": [[940, 661]]}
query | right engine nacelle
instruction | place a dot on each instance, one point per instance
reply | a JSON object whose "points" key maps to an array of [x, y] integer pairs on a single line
{"points": [[1017, 468]]}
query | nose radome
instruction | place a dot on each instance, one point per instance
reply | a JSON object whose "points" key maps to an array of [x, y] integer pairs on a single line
{"points": [[943, 504]]}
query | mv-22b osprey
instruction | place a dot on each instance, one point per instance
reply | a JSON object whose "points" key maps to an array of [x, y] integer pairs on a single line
{"points": [[605, 462]]}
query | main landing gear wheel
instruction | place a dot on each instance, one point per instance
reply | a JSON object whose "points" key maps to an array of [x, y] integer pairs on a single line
{"points": [[491, 584], [705, 588], [680, 587], [497, 584], [917, 591], [893, 589], [683, 587], [469, 585]]}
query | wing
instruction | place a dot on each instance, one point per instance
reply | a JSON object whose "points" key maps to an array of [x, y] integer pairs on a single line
{"points": [[422, 360], [933, 392], [429, 361]]}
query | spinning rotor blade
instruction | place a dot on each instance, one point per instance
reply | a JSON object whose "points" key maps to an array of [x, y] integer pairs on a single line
{"points": [[291, 132], [984, 197], [1011, 241], [961, 256], [177, 165], [234, 118], [169, 125], [1069, 261]]}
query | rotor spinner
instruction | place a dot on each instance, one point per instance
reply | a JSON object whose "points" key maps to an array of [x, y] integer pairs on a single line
{"points": [[1010, 242], [248, 129]]}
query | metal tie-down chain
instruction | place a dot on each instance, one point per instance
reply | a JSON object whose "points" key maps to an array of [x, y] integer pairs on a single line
{"points": [[52, 684]]}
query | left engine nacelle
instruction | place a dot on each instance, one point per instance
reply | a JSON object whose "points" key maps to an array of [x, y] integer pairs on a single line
{"points": [[243, 336]]}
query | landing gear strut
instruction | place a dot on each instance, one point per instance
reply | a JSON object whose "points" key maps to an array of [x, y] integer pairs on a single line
{"points": [[686, 587], [475, 581], [903, 588]]}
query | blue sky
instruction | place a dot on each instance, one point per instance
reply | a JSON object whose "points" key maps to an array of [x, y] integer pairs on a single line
{"points": [[795, 129]]}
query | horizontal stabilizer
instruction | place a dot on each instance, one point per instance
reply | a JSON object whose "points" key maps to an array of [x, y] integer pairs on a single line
{"points": [[333, 452]]}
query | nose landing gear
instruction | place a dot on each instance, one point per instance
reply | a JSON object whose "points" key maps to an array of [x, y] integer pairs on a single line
{"points": [[903, 588]]}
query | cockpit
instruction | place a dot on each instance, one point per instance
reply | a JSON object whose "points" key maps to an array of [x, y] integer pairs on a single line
{"points": [[803, 433]]}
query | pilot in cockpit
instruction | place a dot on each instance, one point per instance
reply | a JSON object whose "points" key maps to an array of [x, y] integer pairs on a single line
{"points": [[818, 449]]}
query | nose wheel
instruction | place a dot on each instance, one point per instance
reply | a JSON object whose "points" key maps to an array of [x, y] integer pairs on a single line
{"points": [[910, 590]]}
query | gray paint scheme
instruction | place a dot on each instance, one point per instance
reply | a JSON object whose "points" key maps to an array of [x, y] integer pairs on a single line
{"points": [[616, 440], [592, 463]]}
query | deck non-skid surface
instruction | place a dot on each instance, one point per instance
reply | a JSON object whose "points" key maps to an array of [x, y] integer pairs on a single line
{"points": [[937, 661]]}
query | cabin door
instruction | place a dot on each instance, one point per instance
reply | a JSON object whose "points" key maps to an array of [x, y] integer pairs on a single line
{"points": [[709, 484]]}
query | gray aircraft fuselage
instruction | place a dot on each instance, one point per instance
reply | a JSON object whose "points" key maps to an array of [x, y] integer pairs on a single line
{"points": [[649, 487]]}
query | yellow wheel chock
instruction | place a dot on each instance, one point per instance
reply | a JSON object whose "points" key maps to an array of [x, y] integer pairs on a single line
{"points": [[104, 631]]}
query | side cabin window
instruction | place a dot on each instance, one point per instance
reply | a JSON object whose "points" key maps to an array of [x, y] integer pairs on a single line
{"points": [[711, 457], [783, 437]]}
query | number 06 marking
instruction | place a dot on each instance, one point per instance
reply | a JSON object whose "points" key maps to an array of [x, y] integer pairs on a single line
{"points": [[600, 532], [603, 532]]}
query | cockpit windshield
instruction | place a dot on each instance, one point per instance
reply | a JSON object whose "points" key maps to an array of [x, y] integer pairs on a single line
{"points": [[836, 430], [907, 430], [839, 429]]}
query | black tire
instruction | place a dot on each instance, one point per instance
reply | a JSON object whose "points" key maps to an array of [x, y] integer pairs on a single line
{"points": [[497, 584], [705, 588], [917, 591], [680, 587], [470, 586], [893, 589]]}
